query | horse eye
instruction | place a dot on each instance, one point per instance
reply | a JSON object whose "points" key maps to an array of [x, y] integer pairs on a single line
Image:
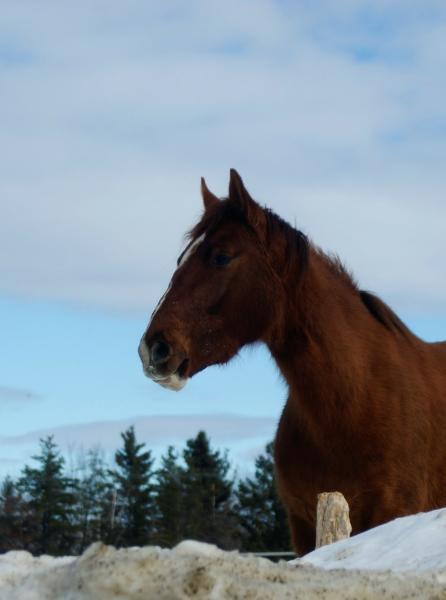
{"points": [[220, 259]]}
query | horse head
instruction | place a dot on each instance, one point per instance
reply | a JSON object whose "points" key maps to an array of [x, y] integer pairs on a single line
{"points": [[222, 294]]}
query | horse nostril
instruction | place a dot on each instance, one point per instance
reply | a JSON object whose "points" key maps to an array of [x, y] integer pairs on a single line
{"points": [[160, 352]]}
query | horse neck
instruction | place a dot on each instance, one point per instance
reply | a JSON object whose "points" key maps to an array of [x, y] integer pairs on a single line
{"points": [[317, 343]]}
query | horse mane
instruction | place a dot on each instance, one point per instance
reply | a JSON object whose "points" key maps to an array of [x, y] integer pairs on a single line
{"points": [[297, 243], [383, 313], [338, 268], [298, 252], [377, 308]]}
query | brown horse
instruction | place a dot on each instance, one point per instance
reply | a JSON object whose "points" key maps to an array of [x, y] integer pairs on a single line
{"points": [[366, 412]]}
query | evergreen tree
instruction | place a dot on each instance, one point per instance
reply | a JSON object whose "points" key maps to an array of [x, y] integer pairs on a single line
{"points": [[94, 499], [12, 512], [207, 510], [50, 500], [261, 514], [169, 500], [134, 504]]}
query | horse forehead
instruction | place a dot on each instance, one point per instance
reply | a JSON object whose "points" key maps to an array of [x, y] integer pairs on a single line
{"points": [[190, 249], [184, 256]]}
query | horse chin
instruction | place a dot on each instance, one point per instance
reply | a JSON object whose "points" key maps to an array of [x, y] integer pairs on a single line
{"points": [[173, 382]]}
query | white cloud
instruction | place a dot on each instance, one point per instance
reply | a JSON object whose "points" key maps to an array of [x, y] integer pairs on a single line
{"points": [[154, 430], [110, 114], [245, 436]]}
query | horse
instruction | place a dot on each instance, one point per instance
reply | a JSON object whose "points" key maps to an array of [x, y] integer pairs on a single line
{"points": [[366, 408]]}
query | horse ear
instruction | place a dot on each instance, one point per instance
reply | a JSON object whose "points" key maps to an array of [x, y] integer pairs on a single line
{"points": [[208, 197], [254, 213]]}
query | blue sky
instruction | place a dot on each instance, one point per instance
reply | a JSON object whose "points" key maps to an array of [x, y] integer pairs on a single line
{"points": [[334, 113]]}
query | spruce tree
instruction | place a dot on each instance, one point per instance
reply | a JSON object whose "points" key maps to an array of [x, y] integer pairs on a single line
{"points": [[261, 514], [134, 505], [12, 513], [169, 500], [94, 499], [50, 500], [207, 509]]}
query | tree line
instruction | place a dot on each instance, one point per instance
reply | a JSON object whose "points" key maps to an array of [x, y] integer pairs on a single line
{"points": [[49, 511]]}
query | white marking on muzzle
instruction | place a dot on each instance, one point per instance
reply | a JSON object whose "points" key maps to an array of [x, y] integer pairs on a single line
{"points": [[173, 382], [144, 353]]}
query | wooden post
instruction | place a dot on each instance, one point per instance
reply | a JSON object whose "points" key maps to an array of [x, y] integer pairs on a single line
{"points": [[333, 522]]}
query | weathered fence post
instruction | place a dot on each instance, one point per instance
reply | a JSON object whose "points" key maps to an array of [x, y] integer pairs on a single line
{"points": [[333, 522]]}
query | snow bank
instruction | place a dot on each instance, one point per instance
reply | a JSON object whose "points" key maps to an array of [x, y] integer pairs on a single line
{"points": [[416, 543], [412, 551]]}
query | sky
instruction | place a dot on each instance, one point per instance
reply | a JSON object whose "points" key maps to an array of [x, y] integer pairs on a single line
{"points": [[333, 112]]}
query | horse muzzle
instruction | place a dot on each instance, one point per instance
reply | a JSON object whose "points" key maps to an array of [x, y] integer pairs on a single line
{"points": [[163, 364]]}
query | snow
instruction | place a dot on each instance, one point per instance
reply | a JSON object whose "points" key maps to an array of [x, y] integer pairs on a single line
{"points": [[416, 543], [402, 559]]}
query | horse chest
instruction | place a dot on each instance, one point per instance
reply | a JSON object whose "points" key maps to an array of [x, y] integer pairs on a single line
{"points": [[305, 468]]}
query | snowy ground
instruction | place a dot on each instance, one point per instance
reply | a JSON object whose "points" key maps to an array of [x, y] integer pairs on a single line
{"points": [[402, 559]]}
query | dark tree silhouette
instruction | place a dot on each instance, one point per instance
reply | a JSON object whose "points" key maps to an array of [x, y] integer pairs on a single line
{"points": [[50, 499], [261, 514], [95, 493], [207, 506], [12, 513], [169, 500], [134, 500], [47, 512]]}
